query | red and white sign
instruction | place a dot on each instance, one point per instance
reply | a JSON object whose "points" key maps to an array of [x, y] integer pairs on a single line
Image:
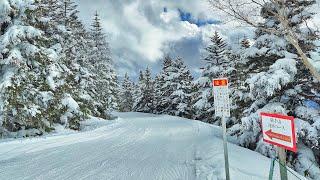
{"points": [[279, 130], [221, 97]]}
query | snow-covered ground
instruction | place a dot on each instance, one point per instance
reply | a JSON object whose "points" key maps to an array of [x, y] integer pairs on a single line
{"points": [[136, 146]]}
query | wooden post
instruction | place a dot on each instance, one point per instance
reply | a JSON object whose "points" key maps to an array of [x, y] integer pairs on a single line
{"points": [[282, 163]]}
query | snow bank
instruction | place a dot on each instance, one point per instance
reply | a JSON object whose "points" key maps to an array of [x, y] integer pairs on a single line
{"points": [[136, 146]]}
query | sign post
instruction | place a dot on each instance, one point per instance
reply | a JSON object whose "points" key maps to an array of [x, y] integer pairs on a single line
{"points": [[222, 109], [279, 130], [271, 169], [282, 160]]}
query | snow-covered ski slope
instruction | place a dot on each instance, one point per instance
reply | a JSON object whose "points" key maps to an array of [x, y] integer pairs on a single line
{"points": [[134, 147]]}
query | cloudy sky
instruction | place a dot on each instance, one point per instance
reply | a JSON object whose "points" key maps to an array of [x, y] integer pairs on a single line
{"points": [[141, 32]]}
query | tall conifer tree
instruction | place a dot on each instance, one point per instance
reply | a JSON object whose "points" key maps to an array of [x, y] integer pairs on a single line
{"points": [[216, 65], [106, 86], [146, 102], [126, 95]]}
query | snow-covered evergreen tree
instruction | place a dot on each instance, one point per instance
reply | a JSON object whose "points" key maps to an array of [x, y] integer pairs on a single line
{"points": [[46, 77], [237, 81], [216, 65], [278, 83], [19, 93], [126, 95], [105, 85], [159, 81], [138, 90], [216, 52], [173, 88], [73, 55], [165, 85], [181, 96], [145, 101], [30, 102]]}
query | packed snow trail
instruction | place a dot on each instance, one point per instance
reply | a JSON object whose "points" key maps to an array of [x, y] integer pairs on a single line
{"points": [[134, 147]]}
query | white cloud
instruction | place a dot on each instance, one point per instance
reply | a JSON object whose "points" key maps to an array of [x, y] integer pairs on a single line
{"points": [[140, 32], [152, 37], [130, 27], [170, 16]]}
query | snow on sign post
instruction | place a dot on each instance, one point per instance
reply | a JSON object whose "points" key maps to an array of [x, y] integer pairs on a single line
{"points": [[279, 130], [222, 109]]}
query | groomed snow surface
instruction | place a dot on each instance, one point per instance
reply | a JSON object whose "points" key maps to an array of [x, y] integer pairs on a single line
{"points": [[134, 147]]}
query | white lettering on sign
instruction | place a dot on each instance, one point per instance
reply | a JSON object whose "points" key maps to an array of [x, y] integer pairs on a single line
{"points": [[221, 97], [279, 130]]}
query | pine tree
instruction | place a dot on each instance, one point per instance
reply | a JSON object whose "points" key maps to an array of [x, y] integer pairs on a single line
{"points": [[72, 56], [166, 87], [138, 91], [126, 95], [145, 103], [159, 81], [181, 97], [106, 86], [217, 65], [67, 39], [279, 83], [47, 77], [29, 102], [173, 89], [216, 51]]}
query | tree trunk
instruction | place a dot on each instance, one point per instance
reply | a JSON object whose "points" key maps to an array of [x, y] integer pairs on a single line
{"points": [[304, 58]]}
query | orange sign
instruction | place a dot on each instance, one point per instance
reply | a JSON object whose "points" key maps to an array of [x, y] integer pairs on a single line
{"points": [[220, 82], [273, 135]]}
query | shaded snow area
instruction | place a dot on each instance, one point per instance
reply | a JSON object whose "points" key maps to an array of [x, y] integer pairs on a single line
{"points": [[134, 147]]}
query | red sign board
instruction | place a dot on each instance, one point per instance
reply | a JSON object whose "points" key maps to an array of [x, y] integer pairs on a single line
{"points": [[279, 130], [220, 82]]}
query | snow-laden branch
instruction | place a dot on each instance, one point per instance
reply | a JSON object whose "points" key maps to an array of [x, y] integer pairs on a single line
{"points": [[246, 11]]}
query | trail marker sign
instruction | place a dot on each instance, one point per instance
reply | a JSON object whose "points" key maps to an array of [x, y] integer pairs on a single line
{"points": [[221, 97], [222, 109], [279, 130]]}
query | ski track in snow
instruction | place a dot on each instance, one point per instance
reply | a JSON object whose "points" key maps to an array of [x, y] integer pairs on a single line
{"points": [[136, 146]]}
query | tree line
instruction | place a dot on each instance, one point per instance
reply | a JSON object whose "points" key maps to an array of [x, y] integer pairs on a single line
{"points": [[266, 75], [55, 71], [52, 69]]}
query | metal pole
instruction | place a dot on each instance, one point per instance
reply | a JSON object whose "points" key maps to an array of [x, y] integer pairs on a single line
{"points": [[225, 148], [282, 161], [271, 169]]}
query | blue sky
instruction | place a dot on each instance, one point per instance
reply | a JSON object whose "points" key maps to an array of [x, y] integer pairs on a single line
{"points": [[187, 16]]}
